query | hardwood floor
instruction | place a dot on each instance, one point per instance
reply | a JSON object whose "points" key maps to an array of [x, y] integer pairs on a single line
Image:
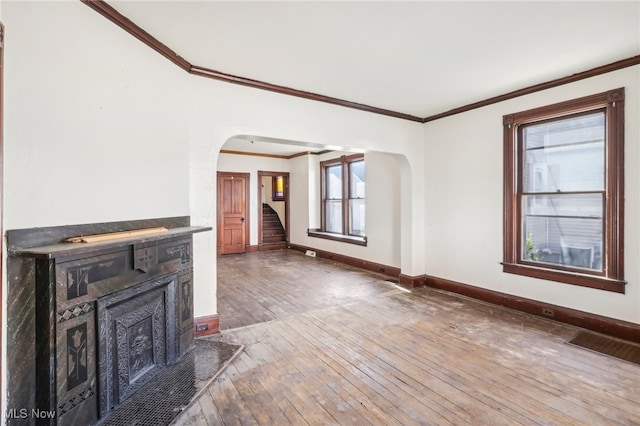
{"points": [[262, 286], [343, 346]]}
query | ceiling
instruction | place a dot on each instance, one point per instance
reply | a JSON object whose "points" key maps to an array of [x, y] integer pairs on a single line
{"points": [[420, 58], [273, 147]]}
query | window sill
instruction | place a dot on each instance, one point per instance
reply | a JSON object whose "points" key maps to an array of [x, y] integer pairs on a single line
{"points": [[566, 277], [349, 239]]}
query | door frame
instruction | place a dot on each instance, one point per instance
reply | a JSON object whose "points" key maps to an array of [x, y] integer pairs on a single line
{"points": [[262, 174], [219, 218]]}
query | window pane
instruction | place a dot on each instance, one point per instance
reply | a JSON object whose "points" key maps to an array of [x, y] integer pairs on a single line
{"points": [[579, 205], [356, 179], [565, 155], [356, 215], [278, 187], [334, 216], [334, 182], [563, 230]]}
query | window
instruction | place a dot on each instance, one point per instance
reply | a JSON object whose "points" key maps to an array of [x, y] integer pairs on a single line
{"points": [[277, 184], [564, 192], [343, 199]]}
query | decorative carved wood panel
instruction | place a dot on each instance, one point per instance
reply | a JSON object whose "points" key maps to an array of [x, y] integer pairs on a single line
{"points": [[133, 298]]}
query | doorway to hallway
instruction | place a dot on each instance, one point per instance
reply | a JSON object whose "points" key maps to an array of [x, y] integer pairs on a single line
{"points": [[273, 210]]}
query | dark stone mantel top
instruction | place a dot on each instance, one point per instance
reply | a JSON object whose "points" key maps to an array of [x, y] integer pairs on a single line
{"points": [[66, 249]]}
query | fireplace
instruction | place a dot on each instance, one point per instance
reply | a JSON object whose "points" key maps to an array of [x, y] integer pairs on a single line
{"points": [[137, 338], [108, 316]]}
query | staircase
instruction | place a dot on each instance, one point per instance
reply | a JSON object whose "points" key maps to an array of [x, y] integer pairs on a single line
{"points": [[272, 230]]}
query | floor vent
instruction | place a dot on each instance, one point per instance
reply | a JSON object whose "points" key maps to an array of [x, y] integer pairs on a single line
{"points": [[626, 351]]}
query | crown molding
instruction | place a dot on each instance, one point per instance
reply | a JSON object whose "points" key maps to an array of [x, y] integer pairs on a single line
{"points": [[614, 66], [123, 22], [283, 157], [253, 154], [126, 24], [256, 84]]}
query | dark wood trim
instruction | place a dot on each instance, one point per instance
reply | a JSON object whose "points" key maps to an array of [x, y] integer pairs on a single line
{"points": [[302, 154], [605, 325], [207, 325], [256, 84], [123, 22], [273, 246], [615, 182], [411, 281], [282, 157], [593, 72], [345, 162], [343, 159], [611, 278], [252, 248], [390, 271], [509, 227], [559, 109], [254, 154], [349, 239], [585, 280], [323, 199], [262, 174]]}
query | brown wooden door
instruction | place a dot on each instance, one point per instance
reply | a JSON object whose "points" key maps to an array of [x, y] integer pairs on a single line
{"points": [[233, 215]]}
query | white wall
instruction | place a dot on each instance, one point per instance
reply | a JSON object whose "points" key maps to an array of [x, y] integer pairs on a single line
{"points": [[302, 196], [219, 111], [382, 202], [98, 127], [95, 129], [463, 163], [382, 220]]}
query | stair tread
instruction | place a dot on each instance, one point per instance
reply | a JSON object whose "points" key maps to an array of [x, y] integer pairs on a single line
{"points": [[272, 229]]}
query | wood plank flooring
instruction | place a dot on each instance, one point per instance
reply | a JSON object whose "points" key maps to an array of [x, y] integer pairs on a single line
{"points": [[262, 286], [330, 344]]}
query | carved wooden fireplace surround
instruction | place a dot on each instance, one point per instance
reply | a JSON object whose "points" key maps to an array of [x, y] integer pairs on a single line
{"points": [[90, 323]]}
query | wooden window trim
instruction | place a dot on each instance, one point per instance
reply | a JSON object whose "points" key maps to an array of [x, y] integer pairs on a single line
{"points": [[350, 239], [344, 161], [349, 196], [612, 277]]}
